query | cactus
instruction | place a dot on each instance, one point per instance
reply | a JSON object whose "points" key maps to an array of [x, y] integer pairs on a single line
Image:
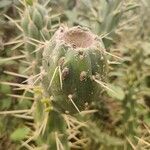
{"points": [[72, 61], [36, 25]]}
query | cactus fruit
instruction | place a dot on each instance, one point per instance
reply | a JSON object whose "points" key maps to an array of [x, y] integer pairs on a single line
{"points": [[73, 61]]}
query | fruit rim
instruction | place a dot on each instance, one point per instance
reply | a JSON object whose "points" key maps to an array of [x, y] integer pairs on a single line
{"points": [[63, 33]]}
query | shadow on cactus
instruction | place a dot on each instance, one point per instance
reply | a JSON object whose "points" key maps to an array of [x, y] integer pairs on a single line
{"points": [[74, 72]]}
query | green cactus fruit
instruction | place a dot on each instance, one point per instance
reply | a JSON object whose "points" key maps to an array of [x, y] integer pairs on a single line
{"points": [[72, 61]]}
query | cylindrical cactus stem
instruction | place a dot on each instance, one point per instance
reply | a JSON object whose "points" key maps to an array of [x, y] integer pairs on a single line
{"points": [[35, 28], [72, 61]]}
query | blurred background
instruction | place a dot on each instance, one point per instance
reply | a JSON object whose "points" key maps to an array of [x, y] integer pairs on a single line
{"points": [[124, 27]]}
